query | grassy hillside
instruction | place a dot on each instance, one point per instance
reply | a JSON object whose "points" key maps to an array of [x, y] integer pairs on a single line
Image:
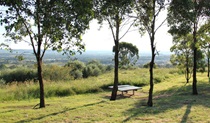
{"points": [[173, 101]]}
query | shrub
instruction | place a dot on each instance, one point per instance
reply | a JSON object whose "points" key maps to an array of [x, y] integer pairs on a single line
{"points": [[3, 66], [76, 68], [109, 67], [157, 79], [148, 65], [93, 68], [56, 73], [77, 74], [18, 75]]}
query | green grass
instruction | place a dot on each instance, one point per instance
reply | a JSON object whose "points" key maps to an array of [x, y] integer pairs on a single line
{"points": [[173, 102]]}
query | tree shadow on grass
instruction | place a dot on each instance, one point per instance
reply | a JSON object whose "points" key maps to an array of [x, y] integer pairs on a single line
{"points": [[171, 99], [9, 111], [56, 113]]}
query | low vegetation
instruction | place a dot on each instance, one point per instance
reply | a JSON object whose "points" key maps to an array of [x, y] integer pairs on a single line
{"points": [[89, 100], [72, 70], [60, 88]]}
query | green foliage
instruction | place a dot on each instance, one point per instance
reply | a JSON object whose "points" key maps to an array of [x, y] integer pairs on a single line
{"points": [[93, 68], [58, 19], [18, 75], [60, 88], [57, 25], [108, 9], [128, 54], [56, 73], [19, 57], [182, 14], [76, 68], [183, 49], [147, 65], [109, 67], [3, 66], [158, 79]]}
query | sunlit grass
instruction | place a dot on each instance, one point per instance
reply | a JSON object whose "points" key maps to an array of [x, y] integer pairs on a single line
{"points": [[173, 101]]}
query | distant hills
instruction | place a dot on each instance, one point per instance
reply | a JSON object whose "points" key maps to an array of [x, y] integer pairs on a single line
{"points": [[53, 57]]}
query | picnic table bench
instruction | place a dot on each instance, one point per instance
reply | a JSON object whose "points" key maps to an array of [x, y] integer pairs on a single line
{"points": [[126, 88]]}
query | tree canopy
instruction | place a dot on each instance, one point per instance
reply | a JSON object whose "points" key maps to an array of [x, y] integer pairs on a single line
{"points": [[128, 54]]}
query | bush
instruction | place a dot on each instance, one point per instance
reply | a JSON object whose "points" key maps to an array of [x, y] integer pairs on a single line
{"points": [[109, 67], [18, 75], [148, 65], [3, 66], [77, 74], [93, 68], [76, 68], [56, 73]]}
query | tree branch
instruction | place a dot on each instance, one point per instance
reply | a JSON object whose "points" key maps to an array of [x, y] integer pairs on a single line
{"points": [[160, 25], [111, 27], [128, 29], [28, 30]]}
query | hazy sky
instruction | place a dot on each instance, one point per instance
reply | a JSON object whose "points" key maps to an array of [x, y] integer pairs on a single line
{"points": [[102, 39]]}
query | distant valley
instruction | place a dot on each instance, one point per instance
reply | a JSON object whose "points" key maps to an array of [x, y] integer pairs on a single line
{"points": [[53, 57]]}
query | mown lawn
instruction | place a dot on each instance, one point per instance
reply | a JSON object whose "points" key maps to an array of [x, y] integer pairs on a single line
{"points": [[173, 102]]}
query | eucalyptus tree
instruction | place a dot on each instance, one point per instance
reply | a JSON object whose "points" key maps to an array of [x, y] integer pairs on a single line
{"points": [[128, 54], [147, 14], [186, 16], [183, 57], [114, 12], [47, 24], [204, 39]]}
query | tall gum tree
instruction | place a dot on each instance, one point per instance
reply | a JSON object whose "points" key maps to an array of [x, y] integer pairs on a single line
{"points": [[183, 57], [204, 39], [187, 16], [114, 13], [47, 24], [147, 14]]}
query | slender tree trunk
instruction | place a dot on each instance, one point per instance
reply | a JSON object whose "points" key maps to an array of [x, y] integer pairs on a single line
{"points": [[152, 39], [187, 76], [41, 83], [115, 88], [208, 61], [116, 60], [187, 69], [150, 102], [208, 67], [39, 58], [194, 85]]}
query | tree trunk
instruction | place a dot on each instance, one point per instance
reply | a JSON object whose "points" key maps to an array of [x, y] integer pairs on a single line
{"points": [[150, 103], [187, 76], [41, 84], [115, 88], [39, 58], [194, 85], [152, 39], [187, 69], [116, 60], [208, 67]]}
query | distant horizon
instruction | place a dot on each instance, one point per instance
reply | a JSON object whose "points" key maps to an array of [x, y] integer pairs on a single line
{"points": [[104, 51]]}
